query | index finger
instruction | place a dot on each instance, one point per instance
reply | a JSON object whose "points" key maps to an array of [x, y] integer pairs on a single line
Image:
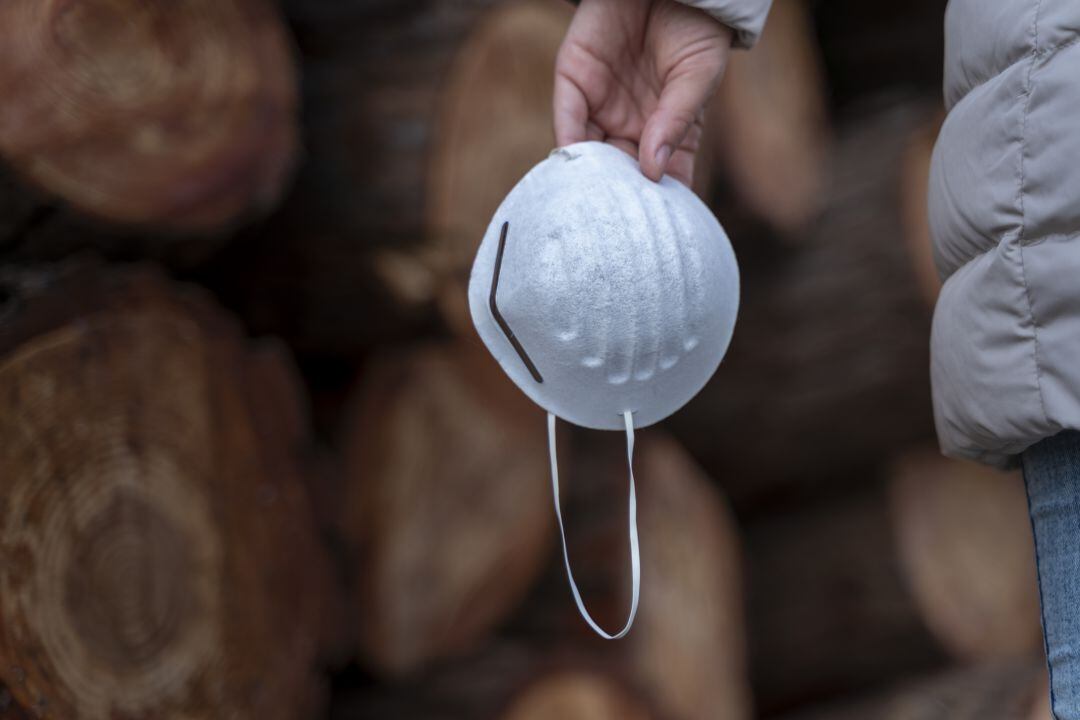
{"points": [[571, 112]]}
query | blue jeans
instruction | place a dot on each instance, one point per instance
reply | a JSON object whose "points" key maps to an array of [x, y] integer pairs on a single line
{"points": [[1052, 477]]}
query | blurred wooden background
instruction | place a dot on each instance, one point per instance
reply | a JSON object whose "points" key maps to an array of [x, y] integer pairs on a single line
{"points": [[254, 462]]}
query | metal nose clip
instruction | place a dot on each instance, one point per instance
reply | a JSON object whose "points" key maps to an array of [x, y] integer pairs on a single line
{"points": [[498, 316]]}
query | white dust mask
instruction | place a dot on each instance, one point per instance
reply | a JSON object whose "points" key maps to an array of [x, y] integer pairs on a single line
{"points": [[607, 298]]}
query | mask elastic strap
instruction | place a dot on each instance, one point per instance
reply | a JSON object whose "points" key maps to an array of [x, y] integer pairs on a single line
{"points": [[635, 559]]}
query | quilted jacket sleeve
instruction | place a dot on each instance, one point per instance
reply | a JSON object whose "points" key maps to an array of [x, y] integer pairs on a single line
{"points": [[745, 17]]}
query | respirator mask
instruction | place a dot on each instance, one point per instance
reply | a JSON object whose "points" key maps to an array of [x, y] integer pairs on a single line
{"points": [[607, 298]]}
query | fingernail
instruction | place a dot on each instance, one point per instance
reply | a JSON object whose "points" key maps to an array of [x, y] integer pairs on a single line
{"points": [[662, 156]]}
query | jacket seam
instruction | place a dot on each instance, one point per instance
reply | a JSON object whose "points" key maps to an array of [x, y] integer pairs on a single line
{"points": [[1008, 237], [987, 80], [1054, 49], [1035, 54], [747, 25], [1047, 237], [1039, 54]]}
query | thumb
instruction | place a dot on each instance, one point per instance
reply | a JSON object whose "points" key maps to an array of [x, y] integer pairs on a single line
{"points": [[682, 102]]}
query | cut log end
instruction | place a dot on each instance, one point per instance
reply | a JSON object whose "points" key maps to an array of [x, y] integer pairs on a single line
{"points": [[140, 498], [111, 558], [687, 648], [494, 124], [689, 645], [964, 543], [767, 127], [994, 691], [576, 696], [448, 514], [180, 117]]}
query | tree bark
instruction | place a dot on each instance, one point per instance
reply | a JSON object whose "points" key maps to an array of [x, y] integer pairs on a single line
{"points": [[914, 189], [179, 116], [157, 553], [9, 710]]}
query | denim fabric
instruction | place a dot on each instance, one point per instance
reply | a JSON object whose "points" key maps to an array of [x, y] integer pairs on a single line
{"points": [[1052, 477]]}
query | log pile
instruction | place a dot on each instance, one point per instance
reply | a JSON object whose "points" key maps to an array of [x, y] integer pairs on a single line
{"points": [[373, 73], [685, 657], [832, 328], [687, 649], [933, 560], [352, 517]]}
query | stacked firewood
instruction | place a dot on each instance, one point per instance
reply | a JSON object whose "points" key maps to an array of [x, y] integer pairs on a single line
{"points": [[255, 463]]}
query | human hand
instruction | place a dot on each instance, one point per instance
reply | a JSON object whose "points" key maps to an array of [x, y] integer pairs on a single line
{"points": [[637, 74]]}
